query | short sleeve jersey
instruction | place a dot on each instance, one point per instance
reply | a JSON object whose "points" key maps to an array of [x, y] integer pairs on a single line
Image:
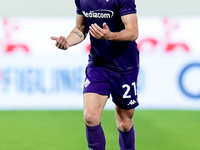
{"points": [[115, 56]]}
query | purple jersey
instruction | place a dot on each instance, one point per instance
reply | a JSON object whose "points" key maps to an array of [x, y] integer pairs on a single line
{"points": [[116, 56]]}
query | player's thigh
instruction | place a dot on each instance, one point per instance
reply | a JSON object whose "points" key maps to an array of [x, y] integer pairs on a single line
{"points": [[124, 118], [93, 106]]}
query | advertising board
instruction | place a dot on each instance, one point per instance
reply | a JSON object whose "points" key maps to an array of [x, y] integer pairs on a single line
{"points": [[34, 74]]}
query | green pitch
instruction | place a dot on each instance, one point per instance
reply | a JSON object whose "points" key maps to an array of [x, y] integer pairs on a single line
{"points": [[65, 130]]}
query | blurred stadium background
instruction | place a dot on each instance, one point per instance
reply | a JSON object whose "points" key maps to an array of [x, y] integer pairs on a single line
{"points": [[41, 86]]}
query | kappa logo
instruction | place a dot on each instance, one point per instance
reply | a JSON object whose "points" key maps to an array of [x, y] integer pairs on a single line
{"points": [[132, 102], [86, 83]]}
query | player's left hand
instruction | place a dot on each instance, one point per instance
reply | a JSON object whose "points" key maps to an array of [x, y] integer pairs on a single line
{"points": [[100, 33]]}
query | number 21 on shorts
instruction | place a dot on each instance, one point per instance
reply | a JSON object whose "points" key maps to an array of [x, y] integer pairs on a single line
{"points": [[128, 88]]}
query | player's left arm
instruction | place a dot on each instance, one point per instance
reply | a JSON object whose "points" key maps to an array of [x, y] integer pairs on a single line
{"points": [[130, 33]]}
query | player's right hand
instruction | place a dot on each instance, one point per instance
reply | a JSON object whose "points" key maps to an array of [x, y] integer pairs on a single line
{"points": [[61, 42]]}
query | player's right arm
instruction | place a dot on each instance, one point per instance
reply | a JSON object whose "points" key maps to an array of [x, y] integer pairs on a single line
{"points": [[77, 35]]}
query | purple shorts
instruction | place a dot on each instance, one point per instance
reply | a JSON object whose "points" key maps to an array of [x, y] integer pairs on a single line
{"points": [[122, 87]]}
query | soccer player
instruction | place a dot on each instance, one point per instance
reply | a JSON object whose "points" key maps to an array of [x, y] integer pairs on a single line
{"points": [[112, 67]]}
